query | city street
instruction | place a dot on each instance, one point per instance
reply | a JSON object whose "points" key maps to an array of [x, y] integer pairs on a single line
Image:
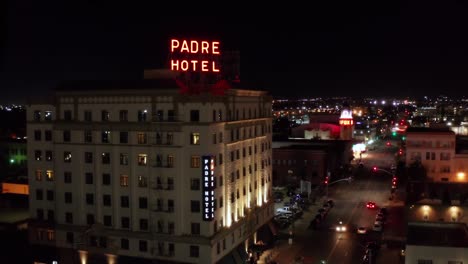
{"points": [[328, 245]]}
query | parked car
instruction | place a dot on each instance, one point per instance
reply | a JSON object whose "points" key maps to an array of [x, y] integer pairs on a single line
{"points": [[362, 230], [377, 227], [383, 210], [330, 202]]}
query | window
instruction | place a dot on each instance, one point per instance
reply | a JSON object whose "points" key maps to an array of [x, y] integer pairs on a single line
{"points": [[169, 139], [143, 202], [142, 182], [105, 157], [37, 115], [195, 162], [88, 136], [37, 135], [195, 138], [88, 116], [67, 115], [194, 184], [39, 195], [50, 195], [124, 243], [107, 219], [89, 198], [124, 180], [69, 218], [105, 115], [170, 205], [48, 135], [106, 200], [444, 156], [194, 251], [141, 138], [38, 175], [88, 157], [123, 137], [125, 222], [124, 202], [68, 197], [66, 136], [70, 238], [67, 177], [424, 261], [195, 206], [106, 179], [67, 157], [194, 115], [37, 155], [123, 159], [142, 159], [48, 115], [142, 115], [143, 245], [88, 178], [40, 214], [123, 115], [195, 228], [171, 115], [159, 115], [170, 161], [89, 219], [143, 224], [50, 175], [105, 136]]}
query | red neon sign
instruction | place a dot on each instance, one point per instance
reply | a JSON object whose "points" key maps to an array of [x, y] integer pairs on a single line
{"points": [[194, 55]]}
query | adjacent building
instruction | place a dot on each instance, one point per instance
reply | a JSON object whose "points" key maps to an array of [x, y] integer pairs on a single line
{"points": [[123, 170]]}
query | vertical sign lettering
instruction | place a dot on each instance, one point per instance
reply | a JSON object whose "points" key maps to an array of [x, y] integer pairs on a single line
{"points": [[208, 188]]}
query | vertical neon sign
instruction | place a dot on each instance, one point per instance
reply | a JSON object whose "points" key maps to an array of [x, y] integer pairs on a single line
{"points": [[208, 188]]}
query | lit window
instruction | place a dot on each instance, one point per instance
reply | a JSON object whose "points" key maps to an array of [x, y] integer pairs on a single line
{"points": [[50, 235], [170, 161], [67, 157], [38, 175], [124, 180], [195, 139], [142, 159], [141, 138], [195, 162], [50, 175], [142, 182]]}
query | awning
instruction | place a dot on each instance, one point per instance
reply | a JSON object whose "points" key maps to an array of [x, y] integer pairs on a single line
{"points": [[228, 259]]}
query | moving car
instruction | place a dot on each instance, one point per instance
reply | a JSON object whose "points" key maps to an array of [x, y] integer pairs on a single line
{"points": [[341, 227], [371, 205], [362, 230]]}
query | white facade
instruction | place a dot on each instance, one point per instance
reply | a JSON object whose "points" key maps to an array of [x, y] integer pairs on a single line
{"points": [[121, 174], [437, 255]]}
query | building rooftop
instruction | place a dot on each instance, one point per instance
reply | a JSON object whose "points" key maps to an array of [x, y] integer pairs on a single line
{"points": [[437, 234], [445, 130]]}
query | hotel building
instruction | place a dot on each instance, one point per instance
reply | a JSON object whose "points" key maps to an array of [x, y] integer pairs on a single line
{"points": [[123, 170]]}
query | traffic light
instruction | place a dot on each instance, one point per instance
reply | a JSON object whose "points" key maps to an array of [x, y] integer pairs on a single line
{"points": [[394, 133], [400, 152], [394, 182], [326, 180], [374, 169]]}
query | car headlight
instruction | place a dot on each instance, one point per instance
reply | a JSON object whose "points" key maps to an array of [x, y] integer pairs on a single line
{"points": [[338, 228], [343, 228]]}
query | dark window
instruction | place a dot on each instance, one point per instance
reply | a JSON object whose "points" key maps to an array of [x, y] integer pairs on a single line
{"points": [[39, 194], [70, 238], [143, 245], [50, 215], [40, 214], [37, 154], [107, 220], [125, 221], [50, 195], [89, 178], [49, 156], [88, 136], [37, 134], [106, 179], [195, 228], [123, 115], [124, 201], [142, 114], [37, 115], [105, 158], [69, 218], [67, 115], [143, 202], [88, 116], [88, 157], [68, 197], [66, 136], [195, 206], [105, 115], [195, 184], [194, 115], [67, 177], [194, 251], [123, 137], [160, 115], [106, 200], [124, 243], [89, 219], [105, 137], [143, 224], [48, 135], [89, 198], [170, 115]]}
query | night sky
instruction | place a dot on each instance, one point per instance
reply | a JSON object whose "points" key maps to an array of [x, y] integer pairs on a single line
{"points": [[388, 48]]}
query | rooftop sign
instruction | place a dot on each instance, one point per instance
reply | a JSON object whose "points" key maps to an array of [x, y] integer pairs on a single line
{"points": [[194, 55]]}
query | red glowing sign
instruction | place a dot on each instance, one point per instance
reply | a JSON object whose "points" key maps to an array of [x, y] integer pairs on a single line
{"points": [[194, 55], [346, 122]]}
